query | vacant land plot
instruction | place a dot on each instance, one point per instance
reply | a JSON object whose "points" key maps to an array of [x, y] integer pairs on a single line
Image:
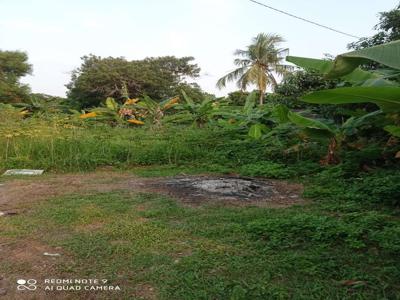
{"points": [[147, 240]]}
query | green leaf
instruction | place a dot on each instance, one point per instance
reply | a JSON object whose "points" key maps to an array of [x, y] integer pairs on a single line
{"points": [[187, 98], [326, 66], [304, 122], [378, 82], [250, 102], [256, 131], [393, 130], [386, 54], [387, 98], [320, 65], [111, 104], [280, 112]]}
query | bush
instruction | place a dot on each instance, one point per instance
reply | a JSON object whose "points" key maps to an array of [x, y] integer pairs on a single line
{"points": [[343, 183]]}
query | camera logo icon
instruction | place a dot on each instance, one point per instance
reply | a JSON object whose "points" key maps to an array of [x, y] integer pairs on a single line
{"points": [[29, 284]]}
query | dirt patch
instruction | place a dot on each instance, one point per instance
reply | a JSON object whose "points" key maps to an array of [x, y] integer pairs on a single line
{"points": [[230, 190], [17, 194], [27, 262]]}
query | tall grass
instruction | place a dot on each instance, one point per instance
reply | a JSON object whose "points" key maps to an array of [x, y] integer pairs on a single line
{"points": [[67, 149], [60, 143]]}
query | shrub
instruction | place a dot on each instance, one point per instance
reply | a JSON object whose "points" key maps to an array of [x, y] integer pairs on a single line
{"points": [[342, 183]]}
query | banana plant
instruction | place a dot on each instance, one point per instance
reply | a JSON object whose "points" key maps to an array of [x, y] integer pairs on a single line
{"points": [[335, 134], [251, 117], [155, 111], [367, 86], [197, 113], [375, 86], [115, 113]]}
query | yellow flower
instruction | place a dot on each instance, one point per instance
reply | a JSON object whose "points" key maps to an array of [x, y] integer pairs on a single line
{"points": [[134, 121], [131, 101], [88, 115]]}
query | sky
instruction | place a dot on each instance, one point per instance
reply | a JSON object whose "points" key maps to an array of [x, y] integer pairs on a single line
{"points": [[55, 34]]}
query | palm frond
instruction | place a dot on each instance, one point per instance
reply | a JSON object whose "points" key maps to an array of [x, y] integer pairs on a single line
{"points": [[235, 74], [240, 52]]}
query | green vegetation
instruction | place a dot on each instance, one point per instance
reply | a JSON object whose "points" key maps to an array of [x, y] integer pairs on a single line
{"points": [[13, 66], [158, 77], [332, 125], [314, 252]]}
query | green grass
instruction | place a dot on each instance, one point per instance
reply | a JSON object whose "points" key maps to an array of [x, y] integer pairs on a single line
{"points": [[217, 252], [86, 149], [62, 147]]}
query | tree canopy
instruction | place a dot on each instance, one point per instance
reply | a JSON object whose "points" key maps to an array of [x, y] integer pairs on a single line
{"points": [[158, 77], [13, 66]]}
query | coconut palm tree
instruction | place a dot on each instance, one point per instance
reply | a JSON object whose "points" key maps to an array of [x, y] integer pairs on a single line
{"points": [[258, 64]]}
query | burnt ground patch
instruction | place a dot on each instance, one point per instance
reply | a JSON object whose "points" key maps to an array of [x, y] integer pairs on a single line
{"points": [[230, 190]]}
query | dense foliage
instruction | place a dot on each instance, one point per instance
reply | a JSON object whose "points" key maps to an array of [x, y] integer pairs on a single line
{"points": [[13, 66], [161, 77]]}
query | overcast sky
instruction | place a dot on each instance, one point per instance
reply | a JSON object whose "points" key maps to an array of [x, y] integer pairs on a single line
{"points": [[55, 34]]}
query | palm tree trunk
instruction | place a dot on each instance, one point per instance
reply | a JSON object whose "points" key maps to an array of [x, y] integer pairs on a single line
{"points": [[262, 94]]}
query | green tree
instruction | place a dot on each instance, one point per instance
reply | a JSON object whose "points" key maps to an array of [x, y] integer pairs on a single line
{"points": [[158, 77], [13, 66], [258, 64], [388, 30], [296, 84]]}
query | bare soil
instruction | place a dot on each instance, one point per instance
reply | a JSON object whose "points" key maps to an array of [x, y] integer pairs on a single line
{"points": [[17, 194]]}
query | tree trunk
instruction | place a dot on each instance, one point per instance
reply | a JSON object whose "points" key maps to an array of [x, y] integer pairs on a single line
{"points": [[331, 157], [262, 94]]}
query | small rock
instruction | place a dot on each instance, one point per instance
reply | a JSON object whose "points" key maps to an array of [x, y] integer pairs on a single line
{"points": [[7, 213], [51, 254], [3, 292], [23, 172]]}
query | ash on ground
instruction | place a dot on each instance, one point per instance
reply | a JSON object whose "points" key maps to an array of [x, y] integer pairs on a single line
{"points": [[231, 188]]}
